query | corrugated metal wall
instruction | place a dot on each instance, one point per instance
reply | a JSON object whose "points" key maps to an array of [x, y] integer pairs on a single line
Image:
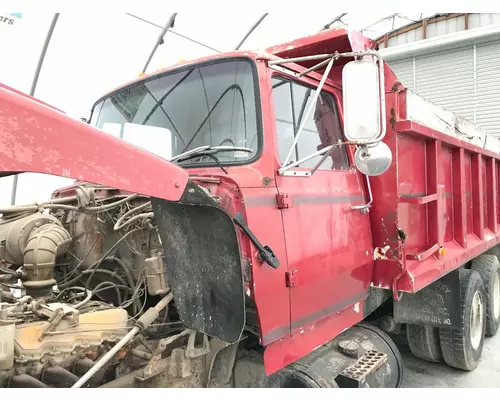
{"points": [[464, 80], [447, 79], [488, 87], [404, 69]]}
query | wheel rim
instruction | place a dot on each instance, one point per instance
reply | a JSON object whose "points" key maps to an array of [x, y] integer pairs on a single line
{"points": [[496, 296], [476, 320]]}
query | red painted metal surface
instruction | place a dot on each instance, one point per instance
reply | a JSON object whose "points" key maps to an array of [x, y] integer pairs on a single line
{"points": [[447, 200], [28, 96], [36, 138], [439, 191]]}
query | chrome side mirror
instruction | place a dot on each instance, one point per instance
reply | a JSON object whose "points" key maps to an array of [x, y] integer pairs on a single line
{"points": [[373, 160], [362, 101]]}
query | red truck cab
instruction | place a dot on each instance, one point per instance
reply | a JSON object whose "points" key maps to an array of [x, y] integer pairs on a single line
{"points": [[315, 224]]}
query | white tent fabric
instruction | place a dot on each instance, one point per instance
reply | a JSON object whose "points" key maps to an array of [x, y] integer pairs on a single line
{"points": [[90, 55]]}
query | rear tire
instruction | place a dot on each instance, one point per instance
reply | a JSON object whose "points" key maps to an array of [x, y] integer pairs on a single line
{"points": [[462, 348], [424, 342], [488, 268]]}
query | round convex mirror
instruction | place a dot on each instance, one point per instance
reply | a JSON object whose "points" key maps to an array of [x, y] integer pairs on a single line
{"points": [[373, 160]]}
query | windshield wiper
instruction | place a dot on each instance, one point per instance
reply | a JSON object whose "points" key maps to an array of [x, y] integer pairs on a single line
{"points": [[217, 161], [208, 150]]}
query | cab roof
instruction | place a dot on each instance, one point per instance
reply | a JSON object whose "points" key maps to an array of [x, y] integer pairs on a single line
{"points": [[325, 42]]}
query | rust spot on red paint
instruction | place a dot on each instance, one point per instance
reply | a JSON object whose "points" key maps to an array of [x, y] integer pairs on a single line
{"points": [[396, 87], [392, 121]]}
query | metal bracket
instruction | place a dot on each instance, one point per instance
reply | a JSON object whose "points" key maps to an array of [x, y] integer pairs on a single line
{"points": [[327, 60], [309, 110], [194, 352], [283, 200], [290, 279], [295, 173], [157, 364], [284, 71], [365, 208]]}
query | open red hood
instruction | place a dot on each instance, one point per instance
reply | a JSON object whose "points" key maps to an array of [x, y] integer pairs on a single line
{"points": [[37, 138]]}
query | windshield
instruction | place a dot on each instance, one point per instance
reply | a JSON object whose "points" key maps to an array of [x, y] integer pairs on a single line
{"points": [[208, 105]]}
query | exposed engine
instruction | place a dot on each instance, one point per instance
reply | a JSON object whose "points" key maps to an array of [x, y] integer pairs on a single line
{"points": [[79, 273]]}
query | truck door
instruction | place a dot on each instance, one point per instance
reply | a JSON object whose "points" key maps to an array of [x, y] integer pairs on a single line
{"points": [[328, 244]]}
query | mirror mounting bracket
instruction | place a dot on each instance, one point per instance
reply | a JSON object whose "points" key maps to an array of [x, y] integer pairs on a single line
{"points": [[365, 208], [328, 60], [296, 173]]}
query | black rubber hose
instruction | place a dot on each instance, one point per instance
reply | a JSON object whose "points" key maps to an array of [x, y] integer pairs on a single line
{"points": [[112, 274], [109, 252], [26, 381], [130, 279], [57, 375], [125, 269]]}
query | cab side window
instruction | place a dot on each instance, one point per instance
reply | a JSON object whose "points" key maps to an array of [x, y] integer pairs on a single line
{"points": [[321, 129]]}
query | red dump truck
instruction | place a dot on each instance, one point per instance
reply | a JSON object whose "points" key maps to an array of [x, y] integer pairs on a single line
{"points": [[249, 219]]}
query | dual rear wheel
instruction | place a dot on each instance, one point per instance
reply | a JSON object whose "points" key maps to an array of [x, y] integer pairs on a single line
{"points": [[462, 347]]}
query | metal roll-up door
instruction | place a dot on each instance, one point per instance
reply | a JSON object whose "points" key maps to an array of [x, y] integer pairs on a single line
{"points": [[404, 71], [488, 87], [447, 79]]}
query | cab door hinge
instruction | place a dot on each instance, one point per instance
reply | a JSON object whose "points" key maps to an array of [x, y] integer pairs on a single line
{"points": [[291, 278], [283, 200]]}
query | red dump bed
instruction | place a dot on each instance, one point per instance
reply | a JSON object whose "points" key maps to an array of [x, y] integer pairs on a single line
{"points": [[441, 192]]}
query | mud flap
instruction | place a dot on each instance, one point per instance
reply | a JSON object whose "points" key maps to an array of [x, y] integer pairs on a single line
{"points": [[436, 305], [203, 263]]}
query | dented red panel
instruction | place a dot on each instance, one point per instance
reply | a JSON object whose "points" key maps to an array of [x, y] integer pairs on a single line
{"points": [[35, 138]]}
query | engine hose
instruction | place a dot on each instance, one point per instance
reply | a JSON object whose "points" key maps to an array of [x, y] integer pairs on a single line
{"points": [[8, 277], [110, 285], [89, 272], [142, 323], [26, 381], [128, 275], [35, 207], [119, 225], [125, 269], [6, 295], [134, 218], [57, 375], [84, 301], [136, 303], [109, 251], [56, 205], [112, 205]]}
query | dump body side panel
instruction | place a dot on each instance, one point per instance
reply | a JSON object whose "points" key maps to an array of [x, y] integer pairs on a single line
{"points": [[437, 205]]}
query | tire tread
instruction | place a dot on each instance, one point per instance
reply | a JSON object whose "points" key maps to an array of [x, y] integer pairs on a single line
{"points": [[454, 342], [487, 265]]}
